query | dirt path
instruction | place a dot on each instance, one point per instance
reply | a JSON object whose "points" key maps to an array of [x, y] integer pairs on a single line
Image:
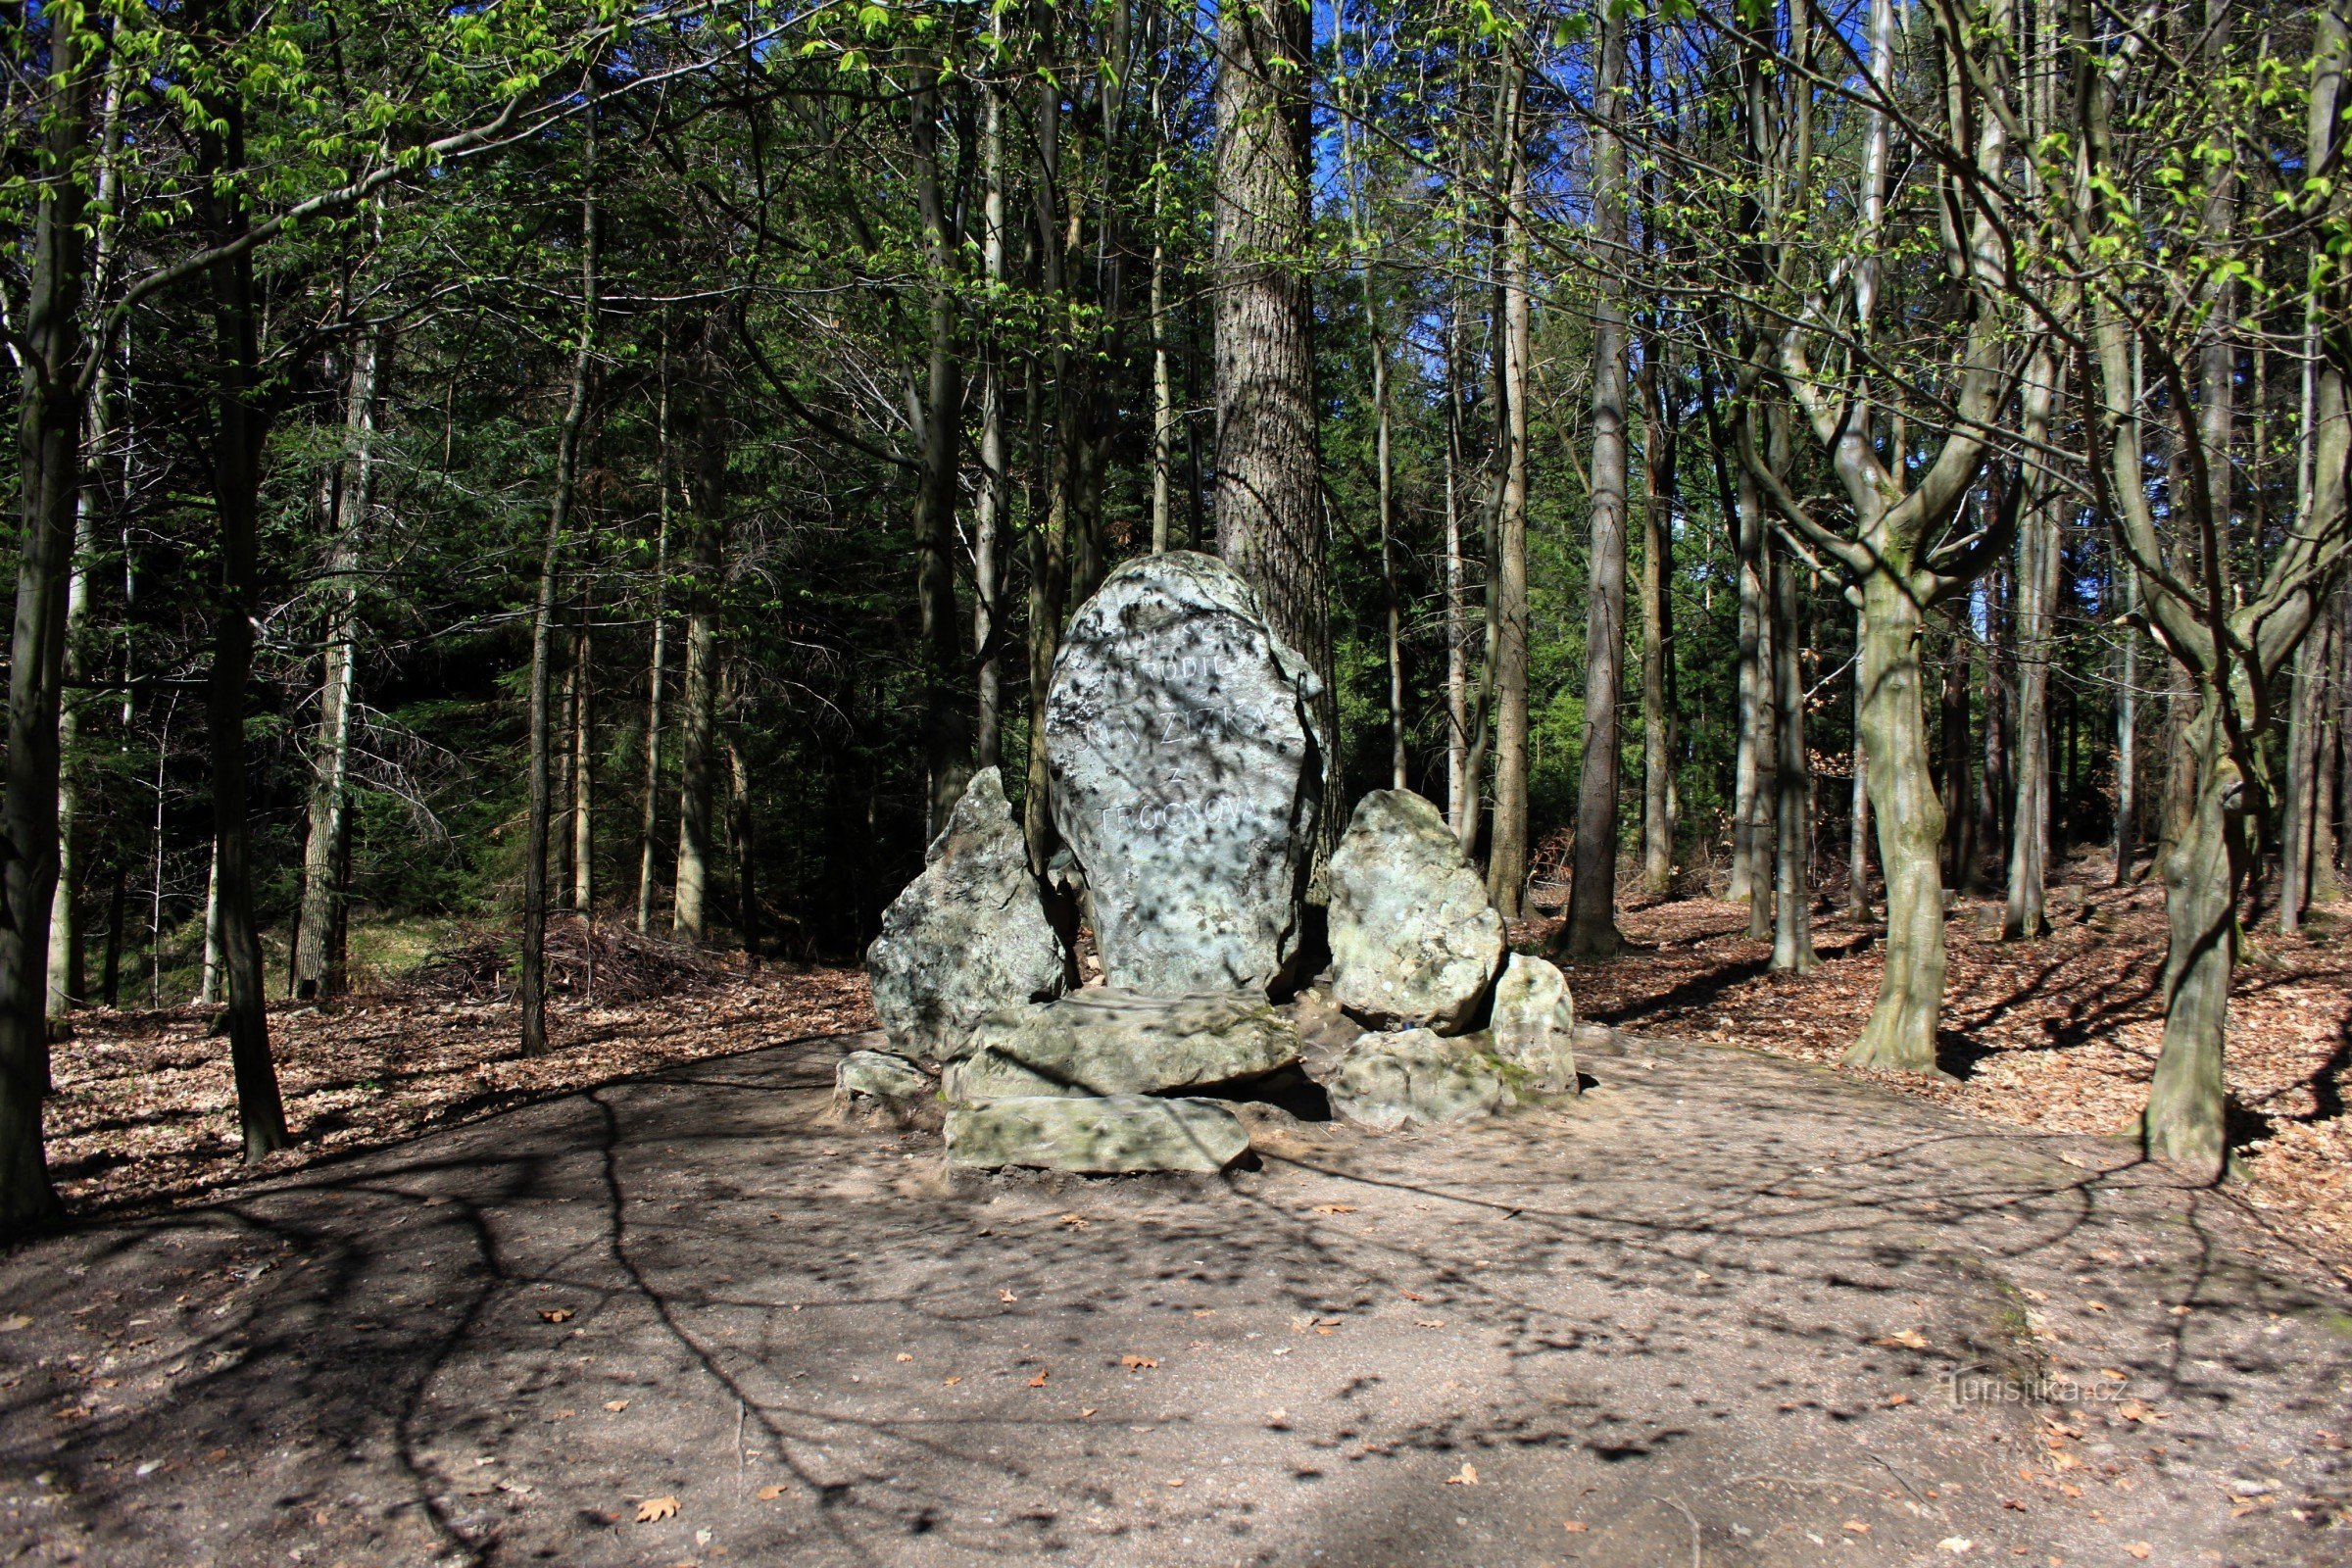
{"points": [[1712, 1313]]}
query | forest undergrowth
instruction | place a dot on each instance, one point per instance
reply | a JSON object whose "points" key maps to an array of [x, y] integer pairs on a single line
{"points": [[2058, 1035]]}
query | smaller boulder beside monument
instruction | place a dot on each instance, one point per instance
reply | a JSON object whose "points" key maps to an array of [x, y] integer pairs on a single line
{"points": [[1414, 941], [967, 936]]}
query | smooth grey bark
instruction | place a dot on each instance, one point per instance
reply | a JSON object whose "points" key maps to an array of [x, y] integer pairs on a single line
{"points": [[1508, 845], [1751, 801], [352, 484], [991, 508], [2298, 835], [208, 968], [1461, 793], [741, 830], [531, 982], [1592, 928], [1792, 786], [1269, 512], [1658, 794], [1049, 541]]}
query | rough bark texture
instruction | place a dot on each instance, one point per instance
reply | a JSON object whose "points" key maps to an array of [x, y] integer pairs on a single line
{"points": [[1268, 482], [1592, 928]]}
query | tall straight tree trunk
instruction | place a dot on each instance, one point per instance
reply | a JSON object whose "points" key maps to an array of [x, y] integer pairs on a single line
{"points": [[532, 981], [566, 777], [1751, 800], [698, 725], [584, 762], [1462, 791], [239, 429], [991, 515], [1269, 511], [2036, 603], [1383, 464], [1901, 1032], [330, 746], [66, 988], [649, 821], [1508, 848], [49, 431], [947, 729], [1049, 543], [740, 828], [1591, 929], [1657, 630], [1792, 785]]}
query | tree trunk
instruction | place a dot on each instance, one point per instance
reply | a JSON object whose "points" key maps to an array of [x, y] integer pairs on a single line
{"points": [[532, 981], [947, 730], [330, 752], [583, 763], [740, 829], [49, 429], [2126, 736], [1269, 508], [240, 426], [1901, 1032], [2203, 871], [1793, 809], [2036, 602], [1857, 851], [1751, 801], [1959, 845], [1507, 848], [649, 821], [1048, 544], [697, 725], [1592, 928], [1657, 632], [208, 971]]}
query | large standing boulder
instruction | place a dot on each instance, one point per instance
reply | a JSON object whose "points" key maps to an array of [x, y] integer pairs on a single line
{"points": [[1535, 1023], [967, 936], [1105, 1136], [1413, 938], [1187, 775], [1385, 1080], [1107, 1041]]}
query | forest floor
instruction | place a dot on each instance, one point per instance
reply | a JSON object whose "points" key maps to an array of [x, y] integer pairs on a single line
{"points": [[1722, 1308], [2059, 1034]]}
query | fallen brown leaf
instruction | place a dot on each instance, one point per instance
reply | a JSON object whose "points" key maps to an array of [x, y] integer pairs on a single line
{"points": [[1038, 1381], [770, 1492], [559, 1315], [1857, 1527], [616, 1406], [1466, 1477], [653, 1510], [1333, 1208], [1136, 1363]]}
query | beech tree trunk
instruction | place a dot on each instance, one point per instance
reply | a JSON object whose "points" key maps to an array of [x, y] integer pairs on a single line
{"points": [[1959, 845], [1792, 854], [2204, 871], [239, 427], [1592, 928], [1507, 847], [584, 762], [1857, 844], [1752, 802], [1269, 511], [1049, 543], [1657, 632], [1901, 1032], [531, 986], [2127, 737]]}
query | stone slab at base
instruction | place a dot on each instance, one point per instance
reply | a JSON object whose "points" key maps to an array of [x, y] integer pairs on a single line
{"points": [[1109, 1135]]}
